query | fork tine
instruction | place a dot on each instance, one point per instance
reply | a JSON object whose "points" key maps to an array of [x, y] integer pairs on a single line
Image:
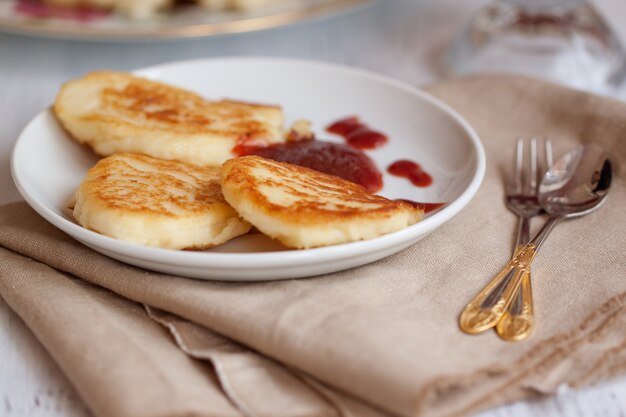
{"points": [[532, 182], [548, 154], [519, 162]]}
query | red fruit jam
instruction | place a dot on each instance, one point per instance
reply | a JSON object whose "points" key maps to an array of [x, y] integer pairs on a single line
{"points": [[331, 158], [412, 171], [357, 134]]}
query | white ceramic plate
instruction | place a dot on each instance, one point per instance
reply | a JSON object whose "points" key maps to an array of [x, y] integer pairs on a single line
{"points": [[48, 166], [188, 21]]}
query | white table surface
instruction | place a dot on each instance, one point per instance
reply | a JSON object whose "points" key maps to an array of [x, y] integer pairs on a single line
{"points": [[403, 39]]}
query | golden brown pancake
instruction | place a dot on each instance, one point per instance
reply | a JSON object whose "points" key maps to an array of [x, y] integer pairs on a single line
{"points": [[118, 112], [152, 202], [303, 208]]}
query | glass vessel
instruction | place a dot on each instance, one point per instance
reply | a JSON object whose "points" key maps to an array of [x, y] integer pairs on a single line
{"points": [[561, 40]]}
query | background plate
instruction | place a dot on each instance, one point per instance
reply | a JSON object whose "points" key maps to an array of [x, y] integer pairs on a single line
{"points": [[183, 22], [48, 166]]}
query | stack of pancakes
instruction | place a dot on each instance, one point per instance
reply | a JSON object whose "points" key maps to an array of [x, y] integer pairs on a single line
{"points": [[171, 178]]}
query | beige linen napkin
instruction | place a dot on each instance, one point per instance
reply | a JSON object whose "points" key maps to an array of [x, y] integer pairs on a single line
{"points": [[377, 340]]}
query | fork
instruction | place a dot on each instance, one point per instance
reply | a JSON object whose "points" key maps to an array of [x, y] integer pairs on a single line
{"points": [[488, 309], [517, 321]]}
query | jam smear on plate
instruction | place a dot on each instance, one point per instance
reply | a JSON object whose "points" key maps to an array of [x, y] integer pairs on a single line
{"points": [[331, 158], [412, 171], [347, 162], [357, 134]]}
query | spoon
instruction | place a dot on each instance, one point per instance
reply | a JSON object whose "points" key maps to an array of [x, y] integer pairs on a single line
{"points": [[577, 184]]}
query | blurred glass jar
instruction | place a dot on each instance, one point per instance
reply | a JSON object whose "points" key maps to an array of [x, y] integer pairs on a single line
{"points": [[561, 40]]}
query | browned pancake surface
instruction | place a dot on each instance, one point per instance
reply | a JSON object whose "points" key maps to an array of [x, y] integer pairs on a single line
{"points": [[156, 203], [305, 208], [117, 112]]}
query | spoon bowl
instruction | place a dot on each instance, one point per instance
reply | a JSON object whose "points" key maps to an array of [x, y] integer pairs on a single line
{"points": [[577, 183]]}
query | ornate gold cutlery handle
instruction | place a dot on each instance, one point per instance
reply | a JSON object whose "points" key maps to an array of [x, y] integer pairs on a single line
{"points": [[487, 308], [517, 322]]}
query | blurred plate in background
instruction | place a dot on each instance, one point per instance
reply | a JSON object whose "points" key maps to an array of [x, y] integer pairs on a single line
{"points": [[185, 21]]}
